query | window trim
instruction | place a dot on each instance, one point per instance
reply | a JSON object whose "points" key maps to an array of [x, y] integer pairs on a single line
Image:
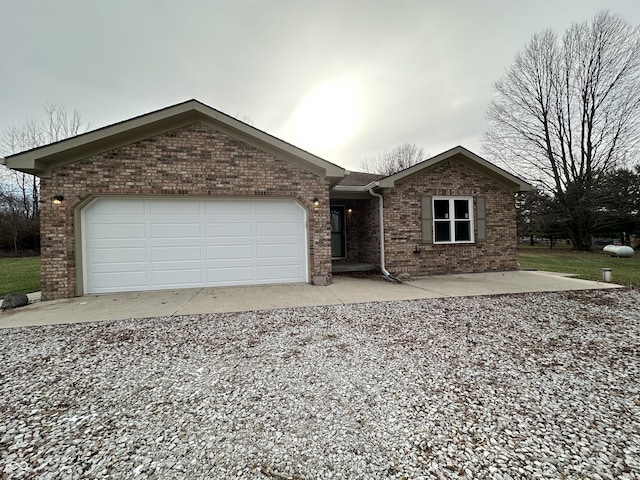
{"points": [[451, 199]]}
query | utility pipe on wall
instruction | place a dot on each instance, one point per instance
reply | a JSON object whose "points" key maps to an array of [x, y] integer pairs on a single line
{"points": [[369, 188]]}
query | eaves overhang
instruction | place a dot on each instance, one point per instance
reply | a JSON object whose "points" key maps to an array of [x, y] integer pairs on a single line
{"points": [[353, 191], [40, 161], [348, 191]]}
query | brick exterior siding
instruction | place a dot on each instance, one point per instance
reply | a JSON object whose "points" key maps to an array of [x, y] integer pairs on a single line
{"points": [[403, 231], [196, 161]]}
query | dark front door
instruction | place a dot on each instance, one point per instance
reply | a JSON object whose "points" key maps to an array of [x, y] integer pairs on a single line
{"points": [[338, 237]]}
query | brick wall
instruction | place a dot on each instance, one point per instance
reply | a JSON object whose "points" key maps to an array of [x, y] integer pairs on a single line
{"points": [[192, 161], [402, 211]]}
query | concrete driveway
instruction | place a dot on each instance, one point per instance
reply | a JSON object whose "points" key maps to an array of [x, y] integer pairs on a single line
{"points": [[344, 290]]}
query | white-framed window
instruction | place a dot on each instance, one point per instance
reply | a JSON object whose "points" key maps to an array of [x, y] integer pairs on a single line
{"points": [[452, 219]]}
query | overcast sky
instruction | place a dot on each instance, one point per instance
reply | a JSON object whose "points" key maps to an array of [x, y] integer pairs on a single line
{"points": [[342, 79]]}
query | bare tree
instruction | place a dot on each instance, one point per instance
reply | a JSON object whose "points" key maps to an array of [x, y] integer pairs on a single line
{"points": [[57, 125], [243, 117], [568, 111], [401, 157], [17, 231]]}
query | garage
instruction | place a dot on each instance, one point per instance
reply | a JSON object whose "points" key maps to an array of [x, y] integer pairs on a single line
{"points": [[135, 244]]}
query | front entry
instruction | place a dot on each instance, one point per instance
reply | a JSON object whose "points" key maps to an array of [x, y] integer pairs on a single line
{"points": [[338, 233]]}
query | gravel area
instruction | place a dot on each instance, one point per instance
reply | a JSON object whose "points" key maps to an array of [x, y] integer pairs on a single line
{"points": [[543, 385]]}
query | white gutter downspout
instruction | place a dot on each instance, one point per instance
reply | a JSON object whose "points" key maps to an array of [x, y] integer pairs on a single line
{"points": [[369, 188]]}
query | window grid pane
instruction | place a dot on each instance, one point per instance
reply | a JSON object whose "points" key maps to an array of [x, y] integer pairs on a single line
{"points": [[461, 209], [441, 209], [463, 231], [442, 231]]}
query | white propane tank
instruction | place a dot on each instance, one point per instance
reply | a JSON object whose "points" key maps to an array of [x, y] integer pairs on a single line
{"points": [[618, 251]]}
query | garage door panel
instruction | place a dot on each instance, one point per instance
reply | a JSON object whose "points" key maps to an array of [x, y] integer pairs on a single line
{"points": [[176, 254], [277, 241], [226, 275], [183, 276], [231, 263], [278, 229], [122, 219], [229, 230], [230, 252], [228, 208], [278, 272], [117, 206], [146, 244], [111, 232], [173, 207], [286, 208], [119, 281], [176, 230], [119, 244], [218, 219], [223, 242], [125, 255], [279, 251]]}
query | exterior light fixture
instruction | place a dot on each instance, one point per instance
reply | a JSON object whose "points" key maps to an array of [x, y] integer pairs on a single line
{"points": [[316, 202], [350, 210], [57, 199]]}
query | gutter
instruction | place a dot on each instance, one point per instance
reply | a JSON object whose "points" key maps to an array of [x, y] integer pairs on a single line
{"points": [[350, 188], [369, 188]]}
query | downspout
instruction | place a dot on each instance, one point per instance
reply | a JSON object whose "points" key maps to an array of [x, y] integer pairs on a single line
{"points": [[369, 188]]}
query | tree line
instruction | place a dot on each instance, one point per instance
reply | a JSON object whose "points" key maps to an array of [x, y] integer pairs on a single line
{"points": [[615, 215], [20, 192]]}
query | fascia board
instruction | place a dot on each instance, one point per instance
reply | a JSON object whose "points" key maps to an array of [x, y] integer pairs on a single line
{"points": [[349, 188]]}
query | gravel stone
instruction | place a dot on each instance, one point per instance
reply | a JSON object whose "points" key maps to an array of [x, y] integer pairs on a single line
{"points": [[543, 385]]}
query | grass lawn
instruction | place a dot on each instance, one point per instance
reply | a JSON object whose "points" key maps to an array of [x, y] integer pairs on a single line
{"points": [[19, 275], [624, 271]]}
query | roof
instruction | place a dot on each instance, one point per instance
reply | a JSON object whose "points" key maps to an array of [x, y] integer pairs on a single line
{"points": [[357, 184], [39, 161], [359, 178], [467, 157]]}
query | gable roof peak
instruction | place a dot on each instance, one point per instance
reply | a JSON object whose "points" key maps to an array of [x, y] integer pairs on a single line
{"points": [[39, 161], [515, 183]]}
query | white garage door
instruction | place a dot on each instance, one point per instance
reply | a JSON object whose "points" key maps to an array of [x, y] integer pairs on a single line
{"points": [[151, 244]]}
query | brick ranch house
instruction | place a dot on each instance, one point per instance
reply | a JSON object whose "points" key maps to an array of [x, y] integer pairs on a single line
{"points": [[189, 197]]}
